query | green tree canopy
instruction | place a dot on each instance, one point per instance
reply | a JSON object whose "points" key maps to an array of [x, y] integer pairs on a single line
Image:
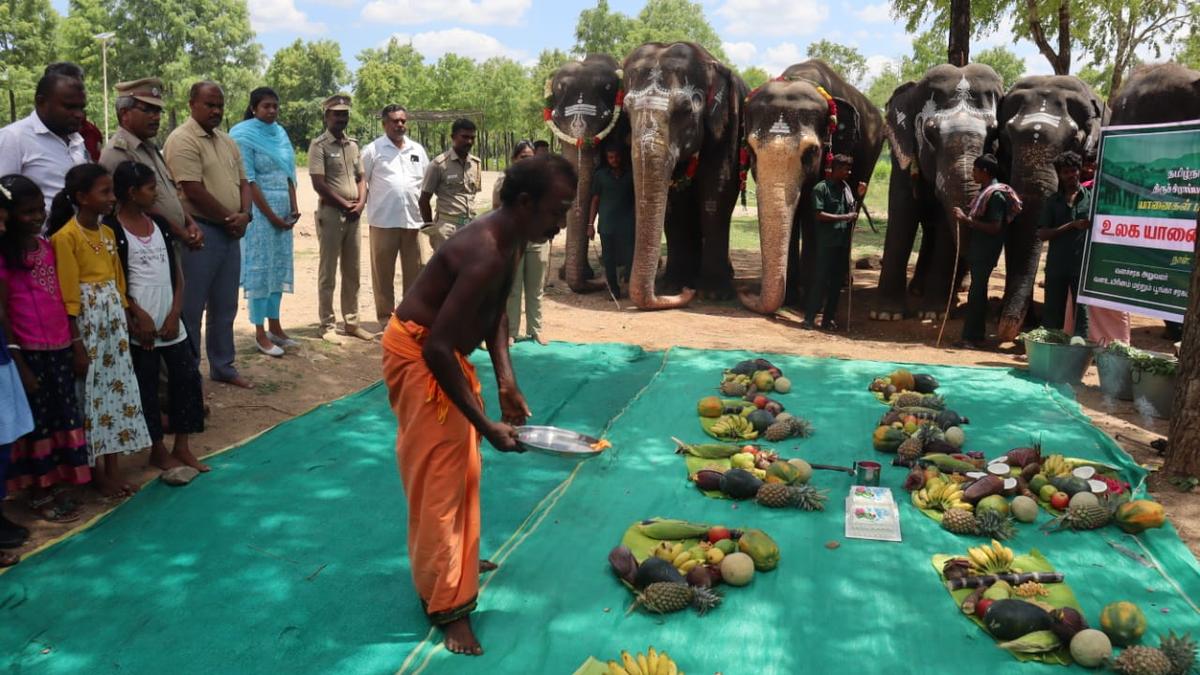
{"points": [[672, 21], [847, 61], [1004, 61], [600, 30], [754, 77], [304, 74], [27, 29]]}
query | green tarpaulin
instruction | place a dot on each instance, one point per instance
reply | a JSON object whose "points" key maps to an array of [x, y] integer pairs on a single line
{"points": [[290, 556]]}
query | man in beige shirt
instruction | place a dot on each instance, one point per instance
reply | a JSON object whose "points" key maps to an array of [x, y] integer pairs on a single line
{"points": [[454, 177], [337, 176], [207, 167], [139, 111]]}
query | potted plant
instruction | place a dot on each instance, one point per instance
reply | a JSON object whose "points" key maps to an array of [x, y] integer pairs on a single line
{"points": [[1055, 356], [1153, 379], [1115, 363]]}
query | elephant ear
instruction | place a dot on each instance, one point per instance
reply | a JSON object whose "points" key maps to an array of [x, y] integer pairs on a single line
{"points": [[723, 105], [899, 121], [1096, 119], [849, 128]]}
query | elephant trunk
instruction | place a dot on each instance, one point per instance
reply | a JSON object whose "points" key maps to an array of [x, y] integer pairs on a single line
{"points": [[577, 242], [779, 175], [653, 163]]}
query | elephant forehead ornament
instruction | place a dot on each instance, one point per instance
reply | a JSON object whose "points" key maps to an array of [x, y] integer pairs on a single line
{"points": [[1040, 119], [962, 117], [576, 112]]}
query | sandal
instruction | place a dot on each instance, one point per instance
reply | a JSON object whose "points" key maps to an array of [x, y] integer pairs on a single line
{"points": [[9, 559], [50, 511]]}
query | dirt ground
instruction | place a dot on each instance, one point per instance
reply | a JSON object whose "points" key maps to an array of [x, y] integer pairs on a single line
{"points": [[320, 372]]}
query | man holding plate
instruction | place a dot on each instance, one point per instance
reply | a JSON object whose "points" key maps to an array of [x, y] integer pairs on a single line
{"points": [[457, 303]]}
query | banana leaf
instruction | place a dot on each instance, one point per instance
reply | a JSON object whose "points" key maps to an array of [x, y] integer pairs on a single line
{"points": [[1061, 595], [695, 464], [592, 667]]}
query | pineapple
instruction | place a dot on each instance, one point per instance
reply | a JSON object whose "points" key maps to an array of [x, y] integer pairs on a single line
{"points": [[1181, 650], [912, 447], [994, 525], [807, 497], [959, 521], [933, 401], [1081, 517], [664, 597], [733, 388], [778, 431], [907, 399], [1143, 661], [774, 495], [704, 599], [801, 428]]}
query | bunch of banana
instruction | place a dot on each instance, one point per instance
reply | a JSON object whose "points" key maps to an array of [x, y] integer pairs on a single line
{"points": [[650, 663], [668, 550], [731, 376], [941, 495], [672, 529], [1055, 465], [994, 559], [733, 426]]}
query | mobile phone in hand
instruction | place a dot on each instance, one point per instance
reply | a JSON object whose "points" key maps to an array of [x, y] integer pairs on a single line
{"points": [[292, 219]]}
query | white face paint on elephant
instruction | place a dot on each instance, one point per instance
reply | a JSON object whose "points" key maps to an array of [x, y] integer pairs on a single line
{"points": [[780, 127]]}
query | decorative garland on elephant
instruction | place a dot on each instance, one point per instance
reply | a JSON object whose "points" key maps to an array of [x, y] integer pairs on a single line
{"points": [[594, 141]]}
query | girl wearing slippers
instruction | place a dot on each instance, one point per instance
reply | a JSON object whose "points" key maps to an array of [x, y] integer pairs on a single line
{"points": [[53, 455], [154, 281], [93, 290]]}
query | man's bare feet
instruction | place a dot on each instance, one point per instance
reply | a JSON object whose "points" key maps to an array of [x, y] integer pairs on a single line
{"points": [[460, 639], [487, 566], [160, 458], [239, 381], [186, 457]]}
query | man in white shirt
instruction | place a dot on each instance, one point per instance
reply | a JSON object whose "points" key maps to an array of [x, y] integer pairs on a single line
{"points": [[393, 166], [45, 145]]}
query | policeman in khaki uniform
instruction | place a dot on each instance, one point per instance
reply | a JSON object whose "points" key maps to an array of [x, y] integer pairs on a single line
{"points": [[455, 178], [139, 112], [337, 176]]}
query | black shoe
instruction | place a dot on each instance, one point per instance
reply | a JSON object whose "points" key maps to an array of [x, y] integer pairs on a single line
{"points": [[12, 539], [829, 325], [808, 325], [7, 526]]}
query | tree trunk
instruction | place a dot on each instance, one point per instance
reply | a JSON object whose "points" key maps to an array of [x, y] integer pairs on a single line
{"points": [[1183, 457], [959, 51], [12, 106]]}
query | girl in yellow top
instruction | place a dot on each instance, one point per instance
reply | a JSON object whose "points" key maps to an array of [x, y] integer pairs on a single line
{"points": [[93, 289]]}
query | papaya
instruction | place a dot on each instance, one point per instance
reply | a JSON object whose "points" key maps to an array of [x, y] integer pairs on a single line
{"points": [[783, 472], [1139, 515], [710, 406], [761, 548], [888, 439], [1009, 619], [1123, 622]]}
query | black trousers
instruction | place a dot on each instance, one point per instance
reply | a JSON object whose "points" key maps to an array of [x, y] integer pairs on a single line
{"points": [[833, 264], [617, 250], [185, 402], [1054, 311]]}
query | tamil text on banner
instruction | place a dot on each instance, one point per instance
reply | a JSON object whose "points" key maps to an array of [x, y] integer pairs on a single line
{"points": [[1141, 246]]}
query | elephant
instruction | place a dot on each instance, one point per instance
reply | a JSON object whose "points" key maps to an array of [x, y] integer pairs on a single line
{"points": [[1040, 117], [787, 134], [583, 111], [1160, 93], [936, 128], [685, 117]]}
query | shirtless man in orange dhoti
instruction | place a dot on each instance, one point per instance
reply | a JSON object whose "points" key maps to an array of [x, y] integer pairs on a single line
{"points": [[456, 303]]}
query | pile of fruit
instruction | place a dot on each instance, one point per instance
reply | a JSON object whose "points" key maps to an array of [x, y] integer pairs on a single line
{"points": [[749, 472], [889, 387], [919, 424], [750, 377], [671, 565], [759, 418]]}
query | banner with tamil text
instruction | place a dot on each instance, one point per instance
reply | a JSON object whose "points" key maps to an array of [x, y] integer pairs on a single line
{"points": [[1141, 248]]}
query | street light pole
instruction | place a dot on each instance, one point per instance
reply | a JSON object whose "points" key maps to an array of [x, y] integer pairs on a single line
{"points": [[104, 38]]}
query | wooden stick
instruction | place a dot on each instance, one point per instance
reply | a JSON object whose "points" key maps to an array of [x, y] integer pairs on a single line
{"points": [[953, 282], [1012, 578]]}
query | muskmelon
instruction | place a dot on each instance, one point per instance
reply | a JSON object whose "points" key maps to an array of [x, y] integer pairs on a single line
{"points": [[737, 569], [710, 406], [955, 436], [1084, 499], [783, 472], [782, 385], [1091, 648], [1123, 622], [803, 468], [1024, 509]]}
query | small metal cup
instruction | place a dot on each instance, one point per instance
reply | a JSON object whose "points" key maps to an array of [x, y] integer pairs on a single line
{"points": [[867, 473]]}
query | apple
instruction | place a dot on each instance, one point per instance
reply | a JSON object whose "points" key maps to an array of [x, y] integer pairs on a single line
{"points": [[981, 607], [760, 402], [1060, 500], [718, 533]]}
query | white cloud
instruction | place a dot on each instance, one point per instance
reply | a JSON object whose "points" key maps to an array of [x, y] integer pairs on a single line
{"points": [[280, 15], [741, 53], [1001, 37], [1036, 64], [773, 17], [777, 59], [879, 13], [476, 12], [876, 64], [469, 43]]}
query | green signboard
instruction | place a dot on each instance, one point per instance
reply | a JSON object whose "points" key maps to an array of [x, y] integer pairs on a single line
{"points": [[1140, 250]]}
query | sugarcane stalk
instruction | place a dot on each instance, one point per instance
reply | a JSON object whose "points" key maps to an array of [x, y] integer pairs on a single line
{"points": [[968, 605], [1012, 578]]}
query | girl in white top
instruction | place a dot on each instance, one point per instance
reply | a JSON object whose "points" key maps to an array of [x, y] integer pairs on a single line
{"points": [[155, 291]]}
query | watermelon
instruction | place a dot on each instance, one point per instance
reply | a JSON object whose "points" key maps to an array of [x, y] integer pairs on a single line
{"points": [[1010, 619], [1123, 623]]}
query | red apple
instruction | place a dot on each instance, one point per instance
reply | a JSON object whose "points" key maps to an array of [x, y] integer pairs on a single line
{"points": [[718, 533], [1060, 501], [760, 402], [981, 607]]}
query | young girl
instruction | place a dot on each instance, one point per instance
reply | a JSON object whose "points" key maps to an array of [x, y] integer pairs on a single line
{"points": [[93, 289], [54, 454], [15, 418], [155, 297]]}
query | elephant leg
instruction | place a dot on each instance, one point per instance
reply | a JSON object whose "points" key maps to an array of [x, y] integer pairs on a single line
{"points": [[798, 274], [715, 195], [1022, 253], [683, 245], [916, 286], [903, 217], [941, 280]]}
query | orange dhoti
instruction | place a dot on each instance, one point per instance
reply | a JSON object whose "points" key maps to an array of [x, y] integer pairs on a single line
{"points": [[437, 450]]}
